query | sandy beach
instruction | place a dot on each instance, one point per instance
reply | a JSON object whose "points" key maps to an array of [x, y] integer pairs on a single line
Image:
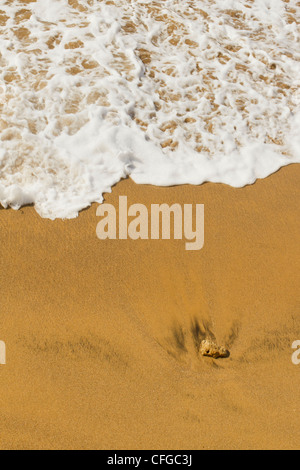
{"points": [[100, 335]]}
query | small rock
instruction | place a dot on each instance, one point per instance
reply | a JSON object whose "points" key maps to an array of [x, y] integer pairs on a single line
{"points": [[211, 349]]}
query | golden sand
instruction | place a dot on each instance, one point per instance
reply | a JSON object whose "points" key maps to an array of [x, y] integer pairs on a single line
{"points": [[101, 336]]}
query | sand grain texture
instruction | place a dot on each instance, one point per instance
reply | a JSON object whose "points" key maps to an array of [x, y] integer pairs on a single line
{"points": [[103, 337]]}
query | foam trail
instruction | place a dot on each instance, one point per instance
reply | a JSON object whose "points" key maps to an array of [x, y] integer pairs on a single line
{"points": [[168, 92]]}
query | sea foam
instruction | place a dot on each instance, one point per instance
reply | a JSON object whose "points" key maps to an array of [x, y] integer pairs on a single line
{"points": [[166, 92]]}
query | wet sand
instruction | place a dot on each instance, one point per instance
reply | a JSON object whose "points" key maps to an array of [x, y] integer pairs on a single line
{"points": [[101, 335]]}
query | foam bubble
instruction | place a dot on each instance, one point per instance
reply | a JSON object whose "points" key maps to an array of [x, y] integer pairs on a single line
{"points": [[168, 92]]}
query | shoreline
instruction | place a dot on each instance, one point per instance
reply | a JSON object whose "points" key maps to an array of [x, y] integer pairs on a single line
{"points": [[100, 335]]}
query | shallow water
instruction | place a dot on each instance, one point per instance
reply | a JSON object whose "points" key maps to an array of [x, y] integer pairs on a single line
{"points": [[168, 92]]}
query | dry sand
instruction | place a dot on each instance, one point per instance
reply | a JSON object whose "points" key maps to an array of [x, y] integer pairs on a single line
{"points": [[101, 335]]}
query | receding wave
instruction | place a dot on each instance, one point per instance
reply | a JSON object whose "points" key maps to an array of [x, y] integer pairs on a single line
{"points": [[168, 92]]}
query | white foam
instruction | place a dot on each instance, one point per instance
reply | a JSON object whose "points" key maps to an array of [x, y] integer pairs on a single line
{"points": [[168, 92]]}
